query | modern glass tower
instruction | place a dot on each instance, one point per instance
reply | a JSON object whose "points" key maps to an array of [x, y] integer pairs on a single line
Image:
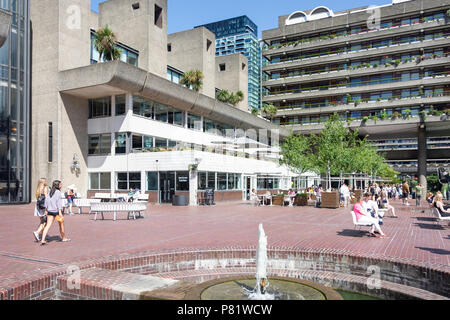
{"points": [[236, 35], [14, 105]]}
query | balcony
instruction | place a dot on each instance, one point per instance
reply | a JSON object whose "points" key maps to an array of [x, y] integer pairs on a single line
{"points": [[344, 39], [340, 90], [334, 56], [363, 71]]}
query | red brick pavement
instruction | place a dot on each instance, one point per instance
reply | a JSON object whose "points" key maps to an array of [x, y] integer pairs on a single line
{"points": [[414, 237]]}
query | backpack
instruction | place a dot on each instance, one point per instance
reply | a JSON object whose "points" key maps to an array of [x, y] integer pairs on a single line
{"points": [[41, 202]]}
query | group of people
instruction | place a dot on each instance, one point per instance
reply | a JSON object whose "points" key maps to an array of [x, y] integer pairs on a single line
{"points": [[48, 209]]}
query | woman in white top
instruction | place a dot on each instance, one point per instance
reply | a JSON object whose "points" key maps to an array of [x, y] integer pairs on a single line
{"points": [[254, 197], [39, 209]]}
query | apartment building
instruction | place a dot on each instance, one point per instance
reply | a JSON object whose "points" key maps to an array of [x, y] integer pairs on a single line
{"points": [[385, 70], [112, 126]]}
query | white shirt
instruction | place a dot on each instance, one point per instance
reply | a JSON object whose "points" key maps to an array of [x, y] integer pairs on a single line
{"points": [[345, 191]]}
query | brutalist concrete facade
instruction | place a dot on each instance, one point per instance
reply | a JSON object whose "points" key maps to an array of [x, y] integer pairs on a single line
{"points": [[373, 66]]}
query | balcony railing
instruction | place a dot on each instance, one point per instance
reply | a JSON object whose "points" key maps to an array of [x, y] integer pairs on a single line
{"points": [[340, 35], [349, 50]]}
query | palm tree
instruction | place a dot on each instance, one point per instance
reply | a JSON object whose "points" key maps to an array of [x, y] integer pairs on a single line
{"points": [[105, 43], [270, 110], [193, 79], [240, 96], [223, 95]]}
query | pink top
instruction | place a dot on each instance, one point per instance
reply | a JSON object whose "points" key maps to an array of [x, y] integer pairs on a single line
{"points": [[358, 209]]}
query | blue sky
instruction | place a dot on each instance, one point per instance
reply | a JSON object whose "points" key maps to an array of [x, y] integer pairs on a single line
{"points": [[184, 15]]}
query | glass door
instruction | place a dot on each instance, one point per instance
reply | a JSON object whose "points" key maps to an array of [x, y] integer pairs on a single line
{"points": [[166, 186]]}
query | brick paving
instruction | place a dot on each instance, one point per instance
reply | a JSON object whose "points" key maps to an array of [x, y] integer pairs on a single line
{"points": [[414, 237]]}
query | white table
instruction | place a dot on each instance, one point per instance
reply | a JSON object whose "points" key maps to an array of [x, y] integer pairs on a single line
{"points": [[265, 197]]}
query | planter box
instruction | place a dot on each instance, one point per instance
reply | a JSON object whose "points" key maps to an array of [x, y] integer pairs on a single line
{"points": [[330, 200], [278, 200], [301, 201]]}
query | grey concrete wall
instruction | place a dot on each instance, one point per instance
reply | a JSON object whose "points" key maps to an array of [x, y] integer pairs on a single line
{"points": [[61, 41], [189, 51], [136, 28], [235, 76]]}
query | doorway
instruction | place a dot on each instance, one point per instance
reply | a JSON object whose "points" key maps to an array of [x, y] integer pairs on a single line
{"points": [[166, 187]]}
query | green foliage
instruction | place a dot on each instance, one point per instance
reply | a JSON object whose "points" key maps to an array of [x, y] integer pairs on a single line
{"points": [[255, 111], [105, 43], [448, 13], [433, 183], [336, 149], [365, 119], [269, 110], [423, 115], [396, 62], [193, 79], [230, 97], [407, 113], [383, 115], [349, 98]]}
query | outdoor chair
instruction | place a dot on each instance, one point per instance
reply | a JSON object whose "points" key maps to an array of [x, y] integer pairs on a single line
{"points": [[359, 224], [437, 214]]}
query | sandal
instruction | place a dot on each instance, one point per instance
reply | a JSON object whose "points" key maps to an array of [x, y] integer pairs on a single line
{"points": [[371, 234], [44, 243]]}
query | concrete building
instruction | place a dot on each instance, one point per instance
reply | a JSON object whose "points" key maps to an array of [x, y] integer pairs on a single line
{"points": [[232, 75], [194, 50], [112, 126], [240, 35], [14, 102], [384, 70]]}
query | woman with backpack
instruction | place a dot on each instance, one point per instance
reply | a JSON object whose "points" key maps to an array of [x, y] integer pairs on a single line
{"points": [[39, 209], [53, 205]]}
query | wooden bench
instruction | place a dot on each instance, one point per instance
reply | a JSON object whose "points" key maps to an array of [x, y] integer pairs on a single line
{"points": [[117, 207]]}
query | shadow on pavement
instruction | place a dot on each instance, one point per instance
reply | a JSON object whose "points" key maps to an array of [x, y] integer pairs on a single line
{"points": [[429, 226], [426, 219], [353, 233], [435, 251]]}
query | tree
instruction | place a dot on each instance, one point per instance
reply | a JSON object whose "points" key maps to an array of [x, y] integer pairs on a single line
{"points": [[270, 110], [223, 95], [193, 79], [333, 151], [105, 43]]}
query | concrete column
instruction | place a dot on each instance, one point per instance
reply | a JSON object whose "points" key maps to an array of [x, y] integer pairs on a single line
{"points": [[422, 158], [193, 188]]}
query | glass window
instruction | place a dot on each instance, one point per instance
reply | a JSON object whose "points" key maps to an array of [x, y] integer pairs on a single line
{"points": [[142, 107], [134, 180], [152, 181], [415, 75], [105, 181], [94, 182], [161, 112], [237, 181], [121, 143], [99, 144], [221, 181], [406, 76], [211, 180], [160, 143], [122, 181], [194, 122], [231, 181], [148, 142], [178, 118], [182, 181], [100, 107], [202, 182], [136, 142], [120, 105]]}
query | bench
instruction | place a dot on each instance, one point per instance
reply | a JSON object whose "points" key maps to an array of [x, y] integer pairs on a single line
{"points": [[117, 207], [85, 203]]}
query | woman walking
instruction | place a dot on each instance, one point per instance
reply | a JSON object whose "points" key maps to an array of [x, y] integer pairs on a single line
{"points": [[39, 209], [53, 204]]}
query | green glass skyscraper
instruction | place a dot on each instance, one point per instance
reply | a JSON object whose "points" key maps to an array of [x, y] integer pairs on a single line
{"points": [[236, 35]]}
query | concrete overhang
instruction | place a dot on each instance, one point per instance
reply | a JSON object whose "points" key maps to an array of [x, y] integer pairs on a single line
{"points": [[117, 77], [5, 24], [388, 129]]}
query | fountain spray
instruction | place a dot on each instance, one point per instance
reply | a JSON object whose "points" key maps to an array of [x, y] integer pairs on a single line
{"points": [[262, 283]]}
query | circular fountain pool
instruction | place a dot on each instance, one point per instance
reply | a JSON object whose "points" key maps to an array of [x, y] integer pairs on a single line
{"points": [[243, 288]]}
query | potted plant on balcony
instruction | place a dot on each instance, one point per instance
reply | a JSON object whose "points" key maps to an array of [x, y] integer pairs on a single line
{"points": [[301, 200], [395, 115], [423, 115], [407, 114], [383, 115], [374, 118], [349, 98], [396, 62]]}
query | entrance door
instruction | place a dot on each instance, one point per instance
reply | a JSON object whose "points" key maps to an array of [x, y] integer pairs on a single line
{"points": [[248, 187], [166, 186]]}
